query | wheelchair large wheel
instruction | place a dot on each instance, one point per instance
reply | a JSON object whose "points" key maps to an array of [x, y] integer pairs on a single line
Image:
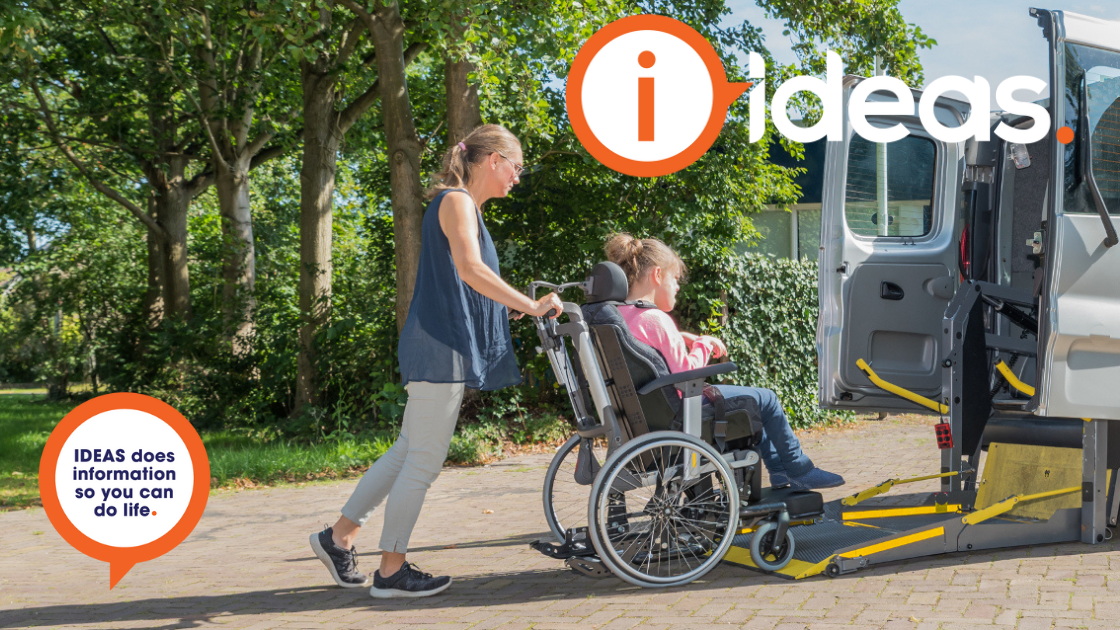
{"points": [[565, 500], [656, 523]]}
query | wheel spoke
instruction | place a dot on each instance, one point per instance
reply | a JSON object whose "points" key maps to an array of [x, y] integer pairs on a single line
{"points": [[674, 522]]}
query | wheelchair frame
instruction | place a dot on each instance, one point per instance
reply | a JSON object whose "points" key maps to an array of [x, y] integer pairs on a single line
{"points": [[583, 548]]}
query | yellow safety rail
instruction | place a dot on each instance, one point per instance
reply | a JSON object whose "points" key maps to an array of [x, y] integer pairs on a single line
{"points": [[875, 491], [899, 391], [1008, 504], [861, 515], [1014, 381]]}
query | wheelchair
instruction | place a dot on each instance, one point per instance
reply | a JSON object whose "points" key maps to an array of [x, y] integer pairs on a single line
{"points": [[651, 488]]}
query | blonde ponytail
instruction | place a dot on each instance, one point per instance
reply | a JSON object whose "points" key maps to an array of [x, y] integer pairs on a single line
{"points": [[474, 149], [638, 256]]}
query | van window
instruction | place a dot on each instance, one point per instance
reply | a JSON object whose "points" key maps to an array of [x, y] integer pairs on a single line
{"points": [[906, 168], [1100, 71]]}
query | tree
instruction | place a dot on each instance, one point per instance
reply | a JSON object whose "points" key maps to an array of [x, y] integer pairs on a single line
{"points": [[228, 75], [464, 110], [114, 116], [328, 39]]}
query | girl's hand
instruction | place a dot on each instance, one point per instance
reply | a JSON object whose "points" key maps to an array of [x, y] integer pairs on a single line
{"points": [[718, 349]]}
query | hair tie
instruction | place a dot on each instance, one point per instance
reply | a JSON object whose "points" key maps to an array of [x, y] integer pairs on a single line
{"points": [[462, 146]]}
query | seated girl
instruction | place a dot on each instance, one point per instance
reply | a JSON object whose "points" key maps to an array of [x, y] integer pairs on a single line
{"points": [[654, 272]]}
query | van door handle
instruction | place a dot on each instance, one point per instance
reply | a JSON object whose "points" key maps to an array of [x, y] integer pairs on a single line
{"points": [[890, 291]]}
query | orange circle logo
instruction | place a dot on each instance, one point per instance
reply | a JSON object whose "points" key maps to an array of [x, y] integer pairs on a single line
{"points": [[647, 95], [107, 467]]}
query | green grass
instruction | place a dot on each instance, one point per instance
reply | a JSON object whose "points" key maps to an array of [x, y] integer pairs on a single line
{"points": [[241, 460], [26, 422]]}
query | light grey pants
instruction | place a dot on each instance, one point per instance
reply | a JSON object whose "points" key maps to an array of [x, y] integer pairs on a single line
{"points": [[406, 471]]}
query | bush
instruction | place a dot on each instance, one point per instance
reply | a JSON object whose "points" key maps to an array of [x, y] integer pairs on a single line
{"points": [[771, 330]]}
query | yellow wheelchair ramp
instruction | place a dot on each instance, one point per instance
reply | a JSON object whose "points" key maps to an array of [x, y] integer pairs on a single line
{"points": [[859, 531]]}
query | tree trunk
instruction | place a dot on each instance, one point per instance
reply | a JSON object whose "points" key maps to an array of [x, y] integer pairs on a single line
{"points": [[32, 245], [403, 150], [239, 261], [463, 109], [320, 153], [463, 115], [172, 205], [156, 295]]}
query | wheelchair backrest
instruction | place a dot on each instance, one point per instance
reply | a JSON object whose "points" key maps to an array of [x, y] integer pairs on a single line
{"points": [[627, 364]]}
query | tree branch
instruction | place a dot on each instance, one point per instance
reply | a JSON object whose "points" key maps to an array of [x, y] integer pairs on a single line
{"points": [[199, 183], [354, 110], [258, 143], [365, 16], [349, 42], [203, 120], [84, 170], [273, 152]]}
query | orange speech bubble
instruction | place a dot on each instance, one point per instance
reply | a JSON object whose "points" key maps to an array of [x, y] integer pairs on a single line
{"points": [[722, 93], [122, 409]]}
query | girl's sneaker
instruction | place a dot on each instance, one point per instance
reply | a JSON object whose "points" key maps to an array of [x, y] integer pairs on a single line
{"points": [[816, 479], [409, 581], [779, 480]]}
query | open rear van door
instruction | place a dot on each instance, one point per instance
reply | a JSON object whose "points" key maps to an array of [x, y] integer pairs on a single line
{"points": [[1080, 323], [889, 258]]}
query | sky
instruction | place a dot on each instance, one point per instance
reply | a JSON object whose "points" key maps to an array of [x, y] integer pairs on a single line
{"points": [[994, 39]]}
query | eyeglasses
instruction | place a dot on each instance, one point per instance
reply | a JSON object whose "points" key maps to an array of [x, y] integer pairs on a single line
{"points": [[517, 168]]}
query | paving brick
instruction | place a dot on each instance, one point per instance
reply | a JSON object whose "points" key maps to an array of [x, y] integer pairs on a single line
{"points": [[247, 565]]}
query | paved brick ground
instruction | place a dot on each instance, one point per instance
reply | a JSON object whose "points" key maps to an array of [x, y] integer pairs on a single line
{"points": [[248, 565]]}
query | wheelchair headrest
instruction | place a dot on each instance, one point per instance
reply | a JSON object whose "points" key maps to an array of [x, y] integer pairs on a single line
{"points": [[608, 283]]}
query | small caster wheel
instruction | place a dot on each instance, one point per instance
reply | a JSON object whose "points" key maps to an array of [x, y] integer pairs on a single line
{"points": [[763, 538], [832, 570]]}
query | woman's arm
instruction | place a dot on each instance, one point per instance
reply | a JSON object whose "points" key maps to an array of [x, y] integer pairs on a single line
{"points": [[459, 222]]}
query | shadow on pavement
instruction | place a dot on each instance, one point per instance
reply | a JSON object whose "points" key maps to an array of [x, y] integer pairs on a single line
{"points": [[195, 611], [473, 592], [524, 539]]}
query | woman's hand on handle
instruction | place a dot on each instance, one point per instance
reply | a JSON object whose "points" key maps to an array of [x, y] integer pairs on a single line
{"points": [[550, 302]]}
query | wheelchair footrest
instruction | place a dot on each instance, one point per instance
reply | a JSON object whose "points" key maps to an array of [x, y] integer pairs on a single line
{"points": [[575, 545], [800, 504], [591, 566]]}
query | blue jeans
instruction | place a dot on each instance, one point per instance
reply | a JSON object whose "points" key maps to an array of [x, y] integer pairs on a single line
{"points": [[780, 448]]}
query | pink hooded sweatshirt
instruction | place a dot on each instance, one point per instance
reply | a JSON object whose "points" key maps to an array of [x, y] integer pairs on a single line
{"points": [[654, 327]]}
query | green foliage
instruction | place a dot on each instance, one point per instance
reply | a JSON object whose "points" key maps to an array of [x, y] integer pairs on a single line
{"points": [[105, 71], [770, 330]]}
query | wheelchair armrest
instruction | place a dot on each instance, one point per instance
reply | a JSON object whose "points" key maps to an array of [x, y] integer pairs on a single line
{"points": [[692, 380]]}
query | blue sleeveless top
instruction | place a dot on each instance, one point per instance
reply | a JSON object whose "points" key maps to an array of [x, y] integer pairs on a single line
{"points": [[454, 334]]}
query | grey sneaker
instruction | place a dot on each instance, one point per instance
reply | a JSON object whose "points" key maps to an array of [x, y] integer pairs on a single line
{"points": [[409, 581], [342, 563]]}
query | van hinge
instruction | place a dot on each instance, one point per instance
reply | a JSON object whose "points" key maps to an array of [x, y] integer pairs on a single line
{"points": [[981, 174], [1035, 243]]}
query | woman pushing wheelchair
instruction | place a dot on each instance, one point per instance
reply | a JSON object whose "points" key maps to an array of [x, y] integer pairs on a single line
{"points": [[654, 272], [456, 336]]}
